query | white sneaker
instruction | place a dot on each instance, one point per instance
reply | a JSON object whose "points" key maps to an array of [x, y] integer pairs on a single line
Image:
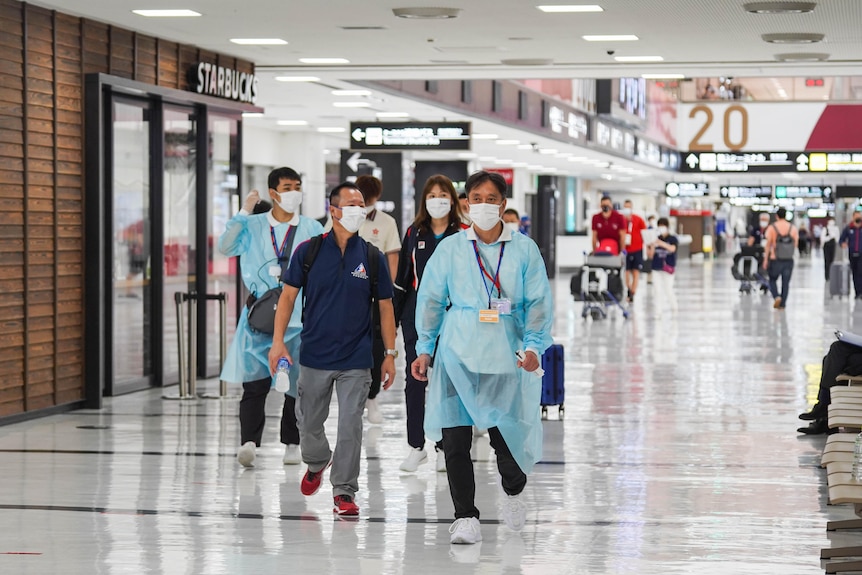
{"points": [[292, 455], [245, 455], [514, 512], [441, 461], [375, 417], [465, 531], [414, 459]]}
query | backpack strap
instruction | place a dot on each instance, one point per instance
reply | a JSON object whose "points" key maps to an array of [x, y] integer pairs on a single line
{"points": [[373, 255], [308, 261]]}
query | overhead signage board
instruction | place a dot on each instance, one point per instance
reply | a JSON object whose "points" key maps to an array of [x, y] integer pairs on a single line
{"points": [[804, 192], [746, 195], [383, 136], [759, 162], [686, 189], [568, 123], [848, 191], [213, 80]]}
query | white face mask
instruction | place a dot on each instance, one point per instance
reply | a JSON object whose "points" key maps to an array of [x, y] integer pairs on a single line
{"points": [[513, 226], [485, 216], [438, 207], [662, 230], [763, 223], [627, 212], [290, 201], [352, 218]]}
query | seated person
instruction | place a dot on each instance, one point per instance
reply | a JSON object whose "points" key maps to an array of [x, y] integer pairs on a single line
{"points": [[841, 358]]}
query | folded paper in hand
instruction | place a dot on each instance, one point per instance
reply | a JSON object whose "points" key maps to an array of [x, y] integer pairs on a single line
{"points": [[848, 337]]}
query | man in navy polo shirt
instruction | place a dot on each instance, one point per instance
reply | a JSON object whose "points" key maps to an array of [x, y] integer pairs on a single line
{"points": [[851, 238], [337, 336]]}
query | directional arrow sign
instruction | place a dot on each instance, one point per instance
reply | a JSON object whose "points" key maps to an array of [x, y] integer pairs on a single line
{"points": [[691, 160], [357, 134], [353, 162], [410, 136]]}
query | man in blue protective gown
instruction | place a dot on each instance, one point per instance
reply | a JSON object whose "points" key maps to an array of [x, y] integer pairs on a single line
{"points": [[265, 243], [496, 289]]}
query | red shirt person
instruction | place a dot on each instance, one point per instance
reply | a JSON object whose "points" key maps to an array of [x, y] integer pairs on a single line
{"points": [[609, 224], [634, 248]]}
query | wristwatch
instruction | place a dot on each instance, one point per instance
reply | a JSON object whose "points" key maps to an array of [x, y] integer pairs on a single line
{"points": [[392, 352]]}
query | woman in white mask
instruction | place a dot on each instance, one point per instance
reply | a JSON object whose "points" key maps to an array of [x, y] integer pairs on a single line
{"points": [[662, 252], [438, 216], [829, 239]]}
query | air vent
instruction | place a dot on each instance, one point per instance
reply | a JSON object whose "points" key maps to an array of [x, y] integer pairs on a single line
{"points": [[802, 57], [527, 62], [779, 7], [793, 38], [426, 13]]}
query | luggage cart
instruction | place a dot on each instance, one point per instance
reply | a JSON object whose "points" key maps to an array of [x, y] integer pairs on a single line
{"points": [[599, 284]]}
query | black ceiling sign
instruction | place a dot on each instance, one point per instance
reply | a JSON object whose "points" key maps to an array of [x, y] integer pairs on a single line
{"points": [[382, 136]]}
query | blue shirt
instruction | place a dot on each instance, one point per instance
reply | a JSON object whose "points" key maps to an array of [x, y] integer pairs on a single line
{"points": [[662, 256], [337, 332], [853, 236]]}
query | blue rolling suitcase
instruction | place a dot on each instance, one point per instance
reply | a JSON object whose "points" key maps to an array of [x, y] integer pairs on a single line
{"points": [[554, 380]]}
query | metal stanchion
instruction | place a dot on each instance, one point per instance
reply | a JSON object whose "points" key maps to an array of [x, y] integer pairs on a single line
{"points": [[187, 368], [221, 297]]}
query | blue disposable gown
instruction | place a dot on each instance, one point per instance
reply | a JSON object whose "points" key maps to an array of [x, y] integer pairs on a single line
{"points": [[248, 236], [475, 379]]}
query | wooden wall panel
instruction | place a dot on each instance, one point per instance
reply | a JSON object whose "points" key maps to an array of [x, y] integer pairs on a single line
{"points": [[44, 56]]}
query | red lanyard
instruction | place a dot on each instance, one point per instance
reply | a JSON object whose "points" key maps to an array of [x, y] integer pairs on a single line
{"points": [[275, 248], [495, 281]]}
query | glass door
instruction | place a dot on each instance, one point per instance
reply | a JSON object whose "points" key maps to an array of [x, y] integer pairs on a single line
{"points": [[130, 176]]}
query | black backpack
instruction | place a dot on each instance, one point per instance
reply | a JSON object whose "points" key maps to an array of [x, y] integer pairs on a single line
{"points": [[784, 248], [373, 256]]}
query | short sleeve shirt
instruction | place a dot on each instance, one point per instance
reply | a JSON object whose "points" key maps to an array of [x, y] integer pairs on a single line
{"points": [[609, 228], [662, 256], [635, 226], [380, 230]]}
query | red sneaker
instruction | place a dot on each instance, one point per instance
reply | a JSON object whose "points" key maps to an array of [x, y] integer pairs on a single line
{"points": [[310, 483], [345, 506]]}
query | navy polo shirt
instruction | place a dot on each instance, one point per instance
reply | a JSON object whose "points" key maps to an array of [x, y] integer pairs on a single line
{"points": [[853, 236], [337, 332]]}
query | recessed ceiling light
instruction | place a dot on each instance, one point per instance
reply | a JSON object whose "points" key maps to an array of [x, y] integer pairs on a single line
{"points": [[802, 57], [638, 58], [571, 8], [503, 162], [331, 130], [611, 38], [534, 167], [297, 79], [292, 123], [577, 159], [252, 114], [779, 7], [352, 104], [487, 158], [393, 115], [166, 13], [351, 92], [259, 41], [519, 165], [525, 146], [324, 60], [467, 155], [548, 151], [793, 38], [527, 62], [663, 76], [508, 142], [426, 13], [484, 136]]}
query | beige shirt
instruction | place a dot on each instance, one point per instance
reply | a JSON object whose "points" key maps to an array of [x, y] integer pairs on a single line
{"points": [[380, 229]]}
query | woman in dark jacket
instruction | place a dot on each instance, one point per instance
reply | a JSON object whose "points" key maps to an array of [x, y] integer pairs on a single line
{"points": [[438, 216]]}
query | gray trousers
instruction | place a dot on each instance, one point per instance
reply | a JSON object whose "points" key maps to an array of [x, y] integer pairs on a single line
{"points": [[312, 409]]}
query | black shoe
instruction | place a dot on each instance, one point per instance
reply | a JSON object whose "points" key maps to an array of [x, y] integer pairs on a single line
{"points": [[815, 413], [818, 427]]}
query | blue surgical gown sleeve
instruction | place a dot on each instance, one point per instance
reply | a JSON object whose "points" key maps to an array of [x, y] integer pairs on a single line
{"points": [[538, 302], [236, 238]]}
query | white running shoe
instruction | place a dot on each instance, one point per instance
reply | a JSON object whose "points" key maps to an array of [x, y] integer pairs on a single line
{"points": [[465, 531], [245, 455], [441, 461], [514, 512], [375, 417], [292, 455], [414, 459]]}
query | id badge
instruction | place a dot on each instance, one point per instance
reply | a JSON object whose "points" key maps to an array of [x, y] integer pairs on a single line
{"points": [[489, 316], [275, 271], [502, 305]]}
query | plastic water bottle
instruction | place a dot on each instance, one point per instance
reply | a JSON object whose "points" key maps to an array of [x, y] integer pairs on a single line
{"points": [[282, 380], [856, 470]]}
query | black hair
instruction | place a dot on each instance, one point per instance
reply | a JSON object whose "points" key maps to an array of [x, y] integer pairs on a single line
{"points": [[371, 188], [261, 207], [283, 173], [480, 177], [462, 196], [335, 194], [781, 213], [606, 197], [513, 212], [662, 222]]}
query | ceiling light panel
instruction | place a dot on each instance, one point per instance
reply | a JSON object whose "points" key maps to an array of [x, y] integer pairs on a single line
{"points": [[167, 13], [259, 41], [563, 8], [352, 104], [331, 130], [793, 38], [779, 7], [358, 93], [426, 13], [610, 38], [484, 136]]}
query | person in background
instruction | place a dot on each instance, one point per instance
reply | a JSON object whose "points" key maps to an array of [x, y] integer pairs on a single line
{"points": [[609, 224], [634, 249], [648, 262], [851, 238], [829, 239], [662, 252], [512, 220], [842, 357], [757, 236], [781, 241], [465, 208], [484, 296], [337, 335], [380, 230], [438, 217], [264, 243]]}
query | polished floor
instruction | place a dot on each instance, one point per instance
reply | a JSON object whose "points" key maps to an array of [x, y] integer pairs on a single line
{"points": [[678, 454]]}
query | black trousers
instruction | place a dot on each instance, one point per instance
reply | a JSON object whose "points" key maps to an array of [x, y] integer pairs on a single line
{"points": [[828, 256], [856, 271], [252, 413], [414, 390], [459, 467], [841, 358]]}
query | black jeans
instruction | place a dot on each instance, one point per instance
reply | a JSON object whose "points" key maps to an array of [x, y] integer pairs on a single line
{"points": [[252, 413], [780, 269], [459, 467], [856, 271], [841, 358]]}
